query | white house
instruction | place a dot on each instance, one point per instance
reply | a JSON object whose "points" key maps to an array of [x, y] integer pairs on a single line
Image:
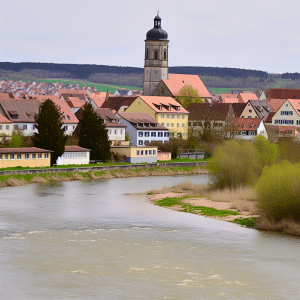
{"points": [[74, 155], [288, 114], [247, 129], [143, 129]]}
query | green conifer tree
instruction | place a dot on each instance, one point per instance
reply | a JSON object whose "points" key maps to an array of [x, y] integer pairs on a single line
{"points": [[93, 134], [51, 134]]}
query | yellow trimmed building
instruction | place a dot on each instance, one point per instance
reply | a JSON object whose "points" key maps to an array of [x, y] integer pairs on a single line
{"points": [[136, 154], [164, 110], [24, 157]]}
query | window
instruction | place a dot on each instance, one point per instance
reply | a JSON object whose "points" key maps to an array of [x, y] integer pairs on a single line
{"points": [[141, 142], [19, 156], [160, 134], [156, 54], [163, 116], [178, 116], [146, 152], [168, 116], [163, 124], [183, 117], [137, 152], [172, 124], [34, 156], [1, 127], [142, 152], [139, 103], [12, 156], [39, 155], [182, 125], [46, 155], [66, 127], [153, 134], [165, 54], [26, 156], [140, 134], [121, 131], [166, 134], [154, 152], [116, 131], [24, 127], [147, 134], [168, 124], [6, 156], [109, 131], [150, 152], [172, 116], [7, 127], [16, 127], [147, 54], [146, 142], [73, 127], [178, 124]]}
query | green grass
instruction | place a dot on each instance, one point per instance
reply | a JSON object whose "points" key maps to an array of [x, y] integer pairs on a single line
{"points": [[100, 87], [248, 222], [225, 90], [202, 210]]}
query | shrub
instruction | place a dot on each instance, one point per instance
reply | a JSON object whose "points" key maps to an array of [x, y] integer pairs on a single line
{"points": [[278, 191], [289, 149], [234, 164], [268, 151]]}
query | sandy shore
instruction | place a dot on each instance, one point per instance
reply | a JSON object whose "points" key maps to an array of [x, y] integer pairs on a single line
{"points": [[202, 201]]}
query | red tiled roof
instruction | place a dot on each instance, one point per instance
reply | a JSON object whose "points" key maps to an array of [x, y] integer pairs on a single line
{"points": [[109, 117], [238, 108], [3, 119], [177, 81], [155, 102], [23, 150], [117, 102], [245, 97], [250, 124], [282, 93], [270, 117], [275, 104], [216, 112], [75, 102]]}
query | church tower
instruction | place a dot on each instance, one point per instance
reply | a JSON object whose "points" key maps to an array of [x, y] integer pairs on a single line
{"points": [[156, 57]]}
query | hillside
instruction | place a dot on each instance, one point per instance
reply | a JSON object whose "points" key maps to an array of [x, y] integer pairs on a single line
{"points": [[131, 76]]}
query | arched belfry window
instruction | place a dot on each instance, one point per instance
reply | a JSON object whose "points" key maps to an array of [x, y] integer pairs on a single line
{"points": [[147, 54], [165, 54], [156, 54]]}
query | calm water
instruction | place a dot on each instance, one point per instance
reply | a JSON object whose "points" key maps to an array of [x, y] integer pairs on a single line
{"points": [[96, 240]]}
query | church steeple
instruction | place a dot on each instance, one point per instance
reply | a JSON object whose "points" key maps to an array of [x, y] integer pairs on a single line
{"points": [[156, 57]]}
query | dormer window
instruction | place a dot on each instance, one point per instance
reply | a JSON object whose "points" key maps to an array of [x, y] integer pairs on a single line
{"points": [[244, 125], [169, 108], [14, 114], [160, 108]]}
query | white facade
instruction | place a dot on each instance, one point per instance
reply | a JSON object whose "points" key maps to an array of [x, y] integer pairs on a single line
{"points": [[116, 133], [74, 158], [286, 115], [251, 134]]}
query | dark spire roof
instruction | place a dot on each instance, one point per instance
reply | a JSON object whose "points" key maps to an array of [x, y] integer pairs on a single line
{"points": [[157, 34]]}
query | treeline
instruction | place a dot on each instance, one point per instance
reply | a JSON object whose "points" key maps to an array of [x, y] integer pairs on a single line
{"points": [[131, 76]]}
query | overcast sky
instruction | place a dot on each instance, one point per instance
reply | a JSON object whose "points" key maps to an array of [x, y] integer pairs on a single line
{"points": [[257, 34]]}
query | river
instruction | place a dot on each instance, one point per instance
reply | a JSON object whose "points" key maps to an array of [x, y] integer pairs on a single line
{"points": [[95, 239]]}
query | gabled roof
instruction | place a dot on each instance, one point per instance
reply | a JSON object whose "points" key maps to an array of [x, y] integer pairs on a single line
{"points": [[74, 94], [246, 124], [215, 112], [270, 117], [261, 107], [3, 120], [245, 97], [75, 102], [238, 108], [116, 102], [164, 104], [111, 120], [282, 93], [177, 81], [142, 118], [295, 104], [275, 104]]}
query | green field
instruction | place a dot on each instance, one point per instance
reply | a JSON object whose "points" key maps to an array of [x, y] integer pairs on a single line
{"points": [[100, 87]]}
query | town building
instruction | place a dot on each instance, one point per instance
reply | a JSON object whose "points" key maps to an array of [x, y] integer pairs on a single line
{"points": [[164, 110], [142, 129], [247, 129], [74, 155], [24, 157]]}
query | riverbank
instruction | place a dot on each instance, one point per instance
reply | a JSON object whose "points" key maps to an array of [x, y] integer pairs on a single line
{"points": [[43, 177], [238, 206]]}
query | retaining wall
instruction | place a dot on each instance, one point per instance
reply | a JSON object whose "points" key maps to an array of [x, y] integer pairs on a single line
{"points": [[103, 168]]}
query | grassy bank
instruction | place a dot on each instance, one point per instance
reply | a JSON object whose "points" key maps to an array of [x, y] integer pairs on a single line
{"points": [[17, 179], [241, 202]]}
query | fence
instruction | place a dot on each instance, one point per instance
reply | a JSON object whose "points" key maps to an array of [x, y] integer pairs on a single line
{"points": [[191, 153]]}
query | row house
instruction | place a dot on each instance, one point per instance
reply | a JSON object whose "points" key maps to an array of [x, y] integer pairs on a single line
{"points": [[256, 109], [21, 114], [165, 111], [142, 129]]}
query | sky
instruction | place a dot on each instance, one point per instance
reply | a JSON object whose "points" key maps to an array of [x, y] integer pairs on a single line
{"points": [[258, 34]]}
